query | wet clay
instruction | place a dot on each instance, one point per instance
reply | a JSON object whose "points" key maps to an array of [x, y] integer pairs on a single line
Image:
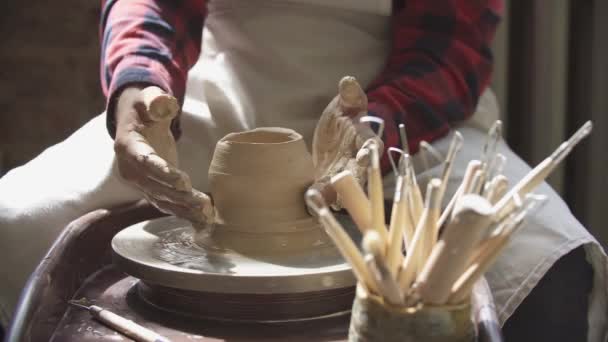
{"points": [[258, 179]]}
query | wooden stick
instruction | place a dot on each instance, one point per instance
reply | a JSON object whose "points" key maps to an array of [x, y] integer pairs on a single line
{"points": [[407, 272], [394, 253], [341, 239], [485, 255], [353, 199], [472, 167], [416, 203], [387, 285], [491, 250], [537, 175], [159, 105], [425, 234], [376, 194], [477, 183], [449, 258], [496, 188], [455, 146], [500, 189], [428, 220]]}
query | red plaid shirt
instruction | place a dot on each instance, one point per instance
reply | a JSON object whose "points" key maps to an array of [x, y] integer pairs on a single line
{"points": [[439, 64]]}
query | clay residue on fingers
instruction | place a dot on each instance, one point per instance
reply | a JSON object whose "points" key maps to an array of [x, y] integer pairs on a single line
{"points": [[352, 97]]}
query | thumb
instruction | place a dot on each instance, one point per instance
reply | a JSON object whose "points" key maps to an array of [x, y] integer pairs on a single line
{"points": [[352, 98]]}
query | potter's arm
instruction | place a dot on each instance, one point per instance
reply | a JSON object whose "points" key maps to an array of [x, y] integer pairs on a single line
{"points": [[147, 48], [439, 65], [148, 42]]}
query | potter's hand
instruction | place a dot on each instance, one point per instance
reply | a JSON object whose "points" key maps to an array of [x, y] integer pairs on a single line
{"points": [[147, 157], [340, 142]]}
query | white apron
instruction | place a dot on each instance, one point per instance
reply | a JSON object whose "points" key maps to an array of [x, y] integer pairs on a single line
{"points": [[267, 63]]}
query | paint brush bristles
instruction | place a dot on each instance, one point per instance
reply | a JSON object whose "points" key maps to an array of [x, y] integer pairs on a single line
{"points": [[341, 239]]}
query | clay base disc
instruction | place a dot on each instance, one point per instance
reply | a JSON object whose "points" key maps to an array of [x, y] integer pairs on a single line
{"points": [[165, 255]]}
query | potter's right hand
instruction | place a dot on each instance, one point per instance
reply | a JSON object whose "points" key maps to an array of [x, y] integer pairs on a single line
{"points": [[147, 158]]}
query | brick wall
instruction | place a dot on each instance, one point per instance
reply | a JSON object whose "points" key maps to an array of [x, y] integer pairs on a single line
{"points": [[48, 74]]}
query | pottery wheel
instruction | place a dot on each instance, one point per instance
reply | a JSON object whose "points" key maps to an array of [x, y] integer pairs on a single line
{"points": [[187, 273]]}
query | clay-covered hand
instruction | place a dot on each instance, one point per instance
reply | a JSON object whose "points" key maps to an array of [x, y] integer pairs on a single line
{"points": [[340, 142], [147, 157]]}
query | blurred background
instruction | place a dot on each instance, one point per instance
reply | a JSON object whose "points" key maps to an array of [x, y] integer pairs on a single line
{"points": [[551, 75]]}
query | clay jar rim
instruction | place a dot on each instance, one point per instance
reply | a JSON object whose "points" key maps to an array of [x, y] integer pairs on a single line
{"points": [[263, 136]]}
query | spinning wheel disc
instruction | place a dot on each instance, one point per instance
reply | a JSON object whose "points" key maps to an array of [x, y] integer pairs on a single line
{"points": [[254, 283]]}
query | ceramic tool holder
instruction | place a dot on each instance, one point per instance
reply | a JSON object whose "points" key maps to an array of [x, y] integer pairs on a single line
{"points": [[374, 320]]}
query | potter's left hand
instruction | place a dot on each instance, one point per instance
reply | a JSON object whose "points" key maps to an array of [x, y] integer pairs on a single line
{"points": [[340, 142]]}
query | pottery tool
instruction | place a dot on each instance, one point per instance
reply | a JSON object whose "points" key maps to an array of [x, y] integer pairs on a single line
{"points": [[424, 236], [455, 146], [476, 185], [387, 285], [414, 195], [403, 136], [341, 239], [535, 177], [496, 188], [400, 225], [353, 199], [428, 149], [491, 143], [491, 249], [472, 167], [450, 256], [497, 166], [376, 194], [428, 221], [404, 208], [376, 120], [118, 323]]}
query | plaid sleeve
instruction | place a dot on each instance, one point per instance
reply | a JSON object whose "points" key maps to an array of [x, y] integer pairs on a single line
{"points": [[148, 42], [439, 65]]}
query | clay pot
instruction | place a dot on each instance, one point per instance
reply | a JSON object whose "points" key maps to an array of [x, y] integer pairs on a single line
{"points": [[258, 179]]}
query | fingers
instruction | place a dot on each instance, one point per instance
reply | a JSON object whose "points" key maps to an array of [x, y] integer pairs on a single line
{"points": [[353, 100], [143, 161], [163, 192], [191, 205], [194, 215]]}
